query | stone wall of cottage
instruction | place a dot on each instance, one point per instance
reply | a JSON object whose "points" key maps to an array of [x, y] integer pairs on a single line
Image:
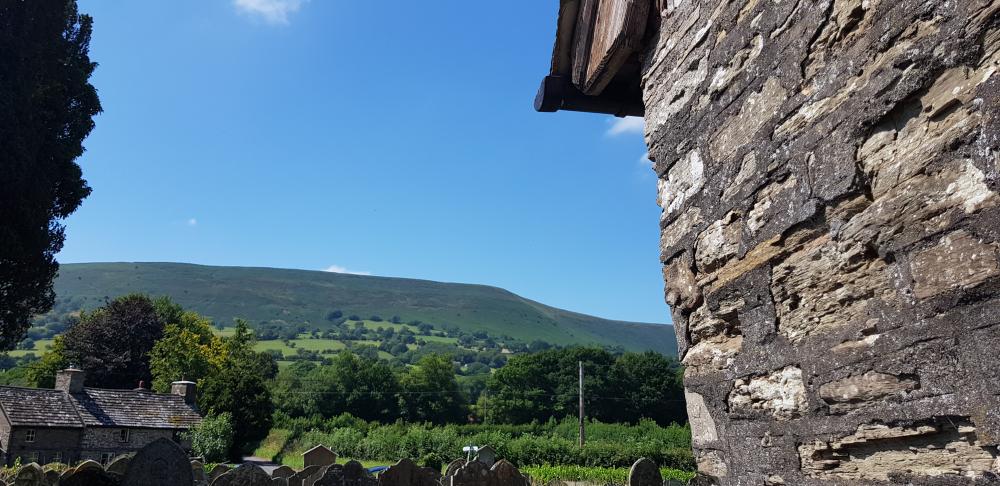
{"points": [[102, 441], [828, 173], [49, 445]]}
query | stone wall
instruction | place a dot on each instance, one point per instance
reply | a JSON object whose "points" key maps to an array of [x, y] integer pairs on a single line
{"points": [[828, 173]]}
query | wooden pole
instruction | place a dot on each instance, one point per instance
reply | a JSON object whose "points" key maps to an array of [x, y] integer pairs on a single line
{"points": [[582, 436]]}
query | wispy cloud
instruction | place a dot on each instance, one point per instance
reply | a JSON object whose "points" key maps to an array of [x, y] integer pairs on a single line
{"points": [[340, 269], [192, 222], [271, 11], [644, 160], [629, 124]]}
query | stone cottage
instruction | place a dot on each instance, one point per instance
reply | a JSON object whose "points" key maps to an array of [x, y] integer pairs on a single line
{"points": [[829, 178], [72, 422]]}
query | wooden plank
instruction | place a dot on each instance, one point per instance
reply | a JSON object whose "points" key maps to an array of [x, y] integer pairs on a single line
{"points": [[606, 36]]}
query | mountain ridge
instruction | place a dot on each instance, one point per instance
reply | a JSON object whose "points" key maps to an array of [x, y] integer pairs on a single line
{"points": [[268, 295]]}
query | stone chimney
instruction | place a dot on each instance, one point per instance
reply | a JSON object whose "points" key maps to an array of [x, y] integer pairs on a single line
{"points": [[186, 389], [70, 380]]}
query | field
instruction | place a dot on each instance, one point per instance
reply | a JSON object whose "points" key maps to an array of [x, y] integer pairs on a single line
{"points": [[300, 297], [41, 346]]}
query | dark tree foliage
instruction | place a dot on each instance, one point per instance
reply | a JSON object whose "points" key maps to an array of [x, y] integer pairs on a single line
{"points": [[46, 110], [240, 389], [112, 343], [623, 389]]}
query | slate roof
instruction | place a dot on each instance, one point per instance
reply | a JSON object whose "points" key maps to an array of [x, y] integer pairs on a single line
{"points": [[38, 407], [95, 407]]}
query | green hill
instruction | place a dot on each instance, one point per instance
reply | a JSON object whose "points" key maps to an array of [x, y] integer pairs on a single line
{"points": [[269, 295]]}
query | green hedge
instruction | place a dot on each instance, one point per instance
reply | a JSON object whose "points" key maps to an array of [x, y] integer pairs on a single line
{"points": [[598, 475], [551, 443]]}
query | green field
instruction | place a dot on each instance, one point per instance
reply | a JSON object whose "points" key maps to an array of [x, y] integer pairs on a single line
{"points": [[268, 295], [41, 346]]}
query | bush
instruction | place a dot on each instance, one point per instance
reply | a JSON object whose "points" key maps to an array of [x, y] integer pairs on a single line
{"points": [[212, 438]]}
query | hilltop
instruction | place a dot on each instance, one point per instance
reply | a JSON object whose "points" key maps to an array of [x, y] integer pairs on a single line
{"points": [[276, 297]]}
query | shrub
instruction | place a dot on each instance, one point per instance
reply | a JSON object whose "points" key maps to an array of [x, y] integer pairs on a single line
{"points": [[212, 438]]}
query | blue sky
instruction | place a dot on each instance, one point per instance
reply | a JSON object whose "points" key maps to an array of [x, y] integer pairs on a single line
{"points": [[393, 139]]}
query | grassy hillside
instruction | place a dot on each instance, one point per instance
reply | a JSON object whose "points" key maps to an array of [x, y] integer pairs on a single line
{"points": [[265, 295]]}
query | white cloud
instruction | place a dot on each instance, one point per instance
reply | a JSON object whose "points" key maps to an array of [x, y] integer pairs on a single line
{"points": [[192, 222], [629, 124], [272, 11], [340, 269]]}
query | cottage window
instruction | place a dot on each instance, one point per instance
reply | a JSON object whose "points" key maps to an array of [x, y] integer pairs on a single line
{"points": [[123, 435], [106, 458], [33, 457], [29, 435], [56, 457]]}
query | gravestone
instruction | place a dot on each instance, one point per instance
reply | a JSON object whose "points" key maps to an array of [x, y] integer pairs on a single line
{"points": [[119, 465], [198, 470], [52, 477], [350, 474], [282, 472], [506, 474], [473, 473], [310, 473], [486, 455], [161, 463], [217, 470], [89, 476], [244, 475], [453, 467], [29, 475], [407, 473], [319, 456], [279, 481], [644, 472]]}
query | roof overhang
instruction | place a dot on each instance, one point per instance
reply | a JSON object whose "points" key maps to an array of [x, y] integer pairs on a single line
{"points": [[596, 60]]}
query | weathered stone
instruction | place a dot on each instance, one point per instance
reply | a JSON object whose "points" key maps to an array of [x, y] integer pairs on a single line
{"points": [[781, 393], [246, 474], [506, 474], [351, 473], [30, 474], [306, 477], [453, 467], [319, 456], [644, 472], [198, 470], [473, 473], [282, 472], [119, 465], [217, 470], [959, 261], [89, 476], [851, 392], [161, 463], [944, 446], [486, 455], [703, 429], [406, 473], [279, 481]]}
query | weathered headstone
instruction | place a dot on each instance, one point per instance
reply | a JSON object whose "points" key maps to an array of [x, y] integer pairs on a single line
{"points": [[486, 455], [119, 465], [350, 474], [161, 463], [198, 470], [217, 470], [506, 474], [244, 475], [308, 473], [319, 456], [473, 473], [282, 472], [407, 473], [52, 477], [89, 476], [645, 472], [453, 467], [279, 481], [29, 475]]}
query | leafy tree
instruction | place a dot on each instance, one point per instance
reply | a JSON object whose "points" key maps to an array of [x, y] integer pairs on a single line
{"points": [[46, 111], [212, 438], [239, 388], [363, 387], [431, 392], [42, 373], [113, 342], [648, 384], [188, 350]]}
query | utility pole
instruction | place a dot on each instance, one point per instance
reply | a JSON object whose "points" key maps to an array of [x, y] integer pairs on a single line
{"points": [[582, 436]]}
